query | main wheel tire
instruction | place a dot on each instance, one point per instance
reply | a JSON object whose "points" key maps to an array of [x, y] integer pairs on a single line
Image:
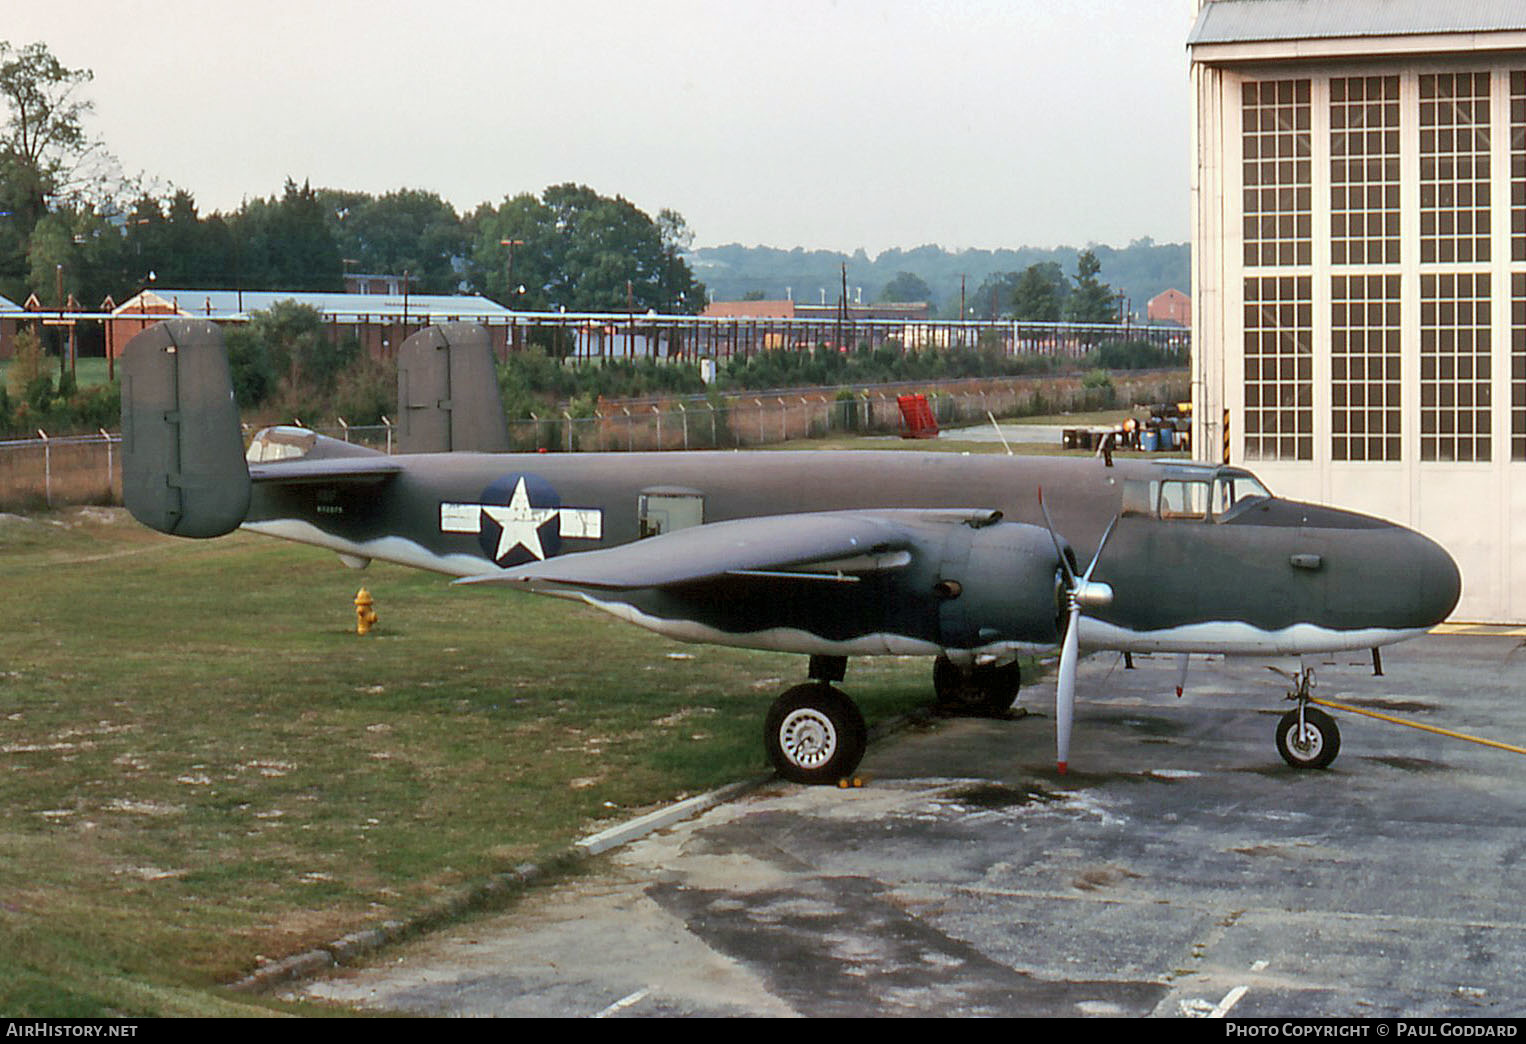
{"points": [[814, 734], [986, 691], [1316, 746]]}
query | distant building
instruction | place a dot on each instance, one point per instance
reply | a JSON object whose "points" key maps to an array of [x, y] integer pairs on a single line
{"points": [[380, 322], [749, 310], [11, 314], [909, 310], [1170, 306], [364, 283], [1359, 265]]}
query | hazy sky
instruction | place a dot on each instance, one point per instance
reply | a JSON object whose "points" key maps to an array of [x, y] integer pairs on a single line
{"points": [[856, 123]]}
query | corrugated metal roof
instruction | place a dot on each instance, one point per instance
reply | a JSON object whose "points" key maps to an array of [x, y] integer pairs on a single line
{"points": [[1246, 21], [230, 304], [7, 305]]}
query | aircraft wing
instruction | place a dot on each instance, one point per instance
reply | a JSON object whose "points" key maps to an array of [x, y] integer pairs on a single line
{"points": [[836, 545]]}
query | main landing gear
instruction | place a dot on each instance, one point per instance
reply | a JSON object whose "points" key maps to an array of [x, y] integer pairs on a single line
{"points": [[982, 690], [1307, 737], [816, 734], [813, 732]]}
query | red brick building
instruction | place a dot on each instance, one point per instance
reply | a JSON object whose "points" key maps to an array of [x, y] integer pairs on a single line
{"points": [[1170, 306]]}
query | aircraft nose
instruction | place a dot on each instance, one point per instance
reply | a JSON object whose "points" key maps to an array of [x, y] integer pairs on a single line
{"points": [[1439, 580]]}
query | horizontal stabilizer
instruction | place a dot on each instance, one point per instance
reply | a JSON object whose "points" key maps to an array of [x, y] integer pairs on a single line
{"points": [[183, 469], [816, 545], [332, 471]]}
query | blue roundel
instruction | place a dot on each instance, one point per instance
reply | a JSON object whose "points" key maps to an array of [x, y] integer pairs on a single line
{"points": [[520, 520]]}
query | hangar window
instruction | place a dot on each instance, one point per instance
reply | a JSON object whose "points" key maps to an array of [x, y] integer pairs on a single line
{"points": [[1454, 167], [1364, 170], [1517, 366], [1454, 367], [1276, 170], [1518, 166], [1364, 368], [1279, 368]]}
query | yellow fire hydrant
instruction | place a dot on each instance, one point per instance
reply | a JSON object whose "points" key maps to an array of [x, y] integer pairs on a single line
{"points": [[365, 617]]}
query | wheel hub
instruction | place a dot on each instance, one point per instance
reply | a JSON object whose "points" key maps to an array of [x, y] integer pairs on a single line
{"points": [[1305, 741], [807, 737]]}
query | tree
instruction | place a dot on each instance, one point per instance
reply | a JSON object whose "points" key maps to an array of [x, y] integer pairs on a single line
{"points": [[285, 244], [1092, 301], [300, 347], [515, 240], [907, 287], [679, 289], [45, 152], [992, 299], [408, 231], [1040, 293], [575, 249]]}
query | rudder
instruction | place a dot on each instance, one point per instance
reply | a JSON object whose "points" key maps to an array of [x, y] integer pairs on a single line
{"points": [[183, 469], [447, 392]]}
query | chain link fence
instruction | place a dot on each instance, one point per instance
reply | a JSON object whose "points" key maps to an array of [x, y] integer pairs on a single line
{"points": [[50, 471]]}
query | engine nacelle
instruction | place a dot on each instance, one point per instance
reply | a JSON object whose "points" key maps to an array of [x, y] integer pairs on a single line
{"points": [[998, 584]]}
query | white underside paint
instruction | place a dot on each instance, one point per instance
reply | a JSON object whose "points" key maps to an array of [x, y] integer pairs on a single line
{"points": [[1231, 638], [385, 549], [1235, 638]]}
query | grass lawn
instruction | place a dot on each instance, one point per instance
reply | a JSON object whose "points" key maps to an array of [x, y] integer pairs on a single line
{"points": [[203, 764], [88, 371]]}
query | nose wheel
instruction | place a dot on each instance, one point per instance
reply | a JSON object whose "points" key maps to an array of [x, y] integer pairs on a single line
{"points": [[1307, 737]]}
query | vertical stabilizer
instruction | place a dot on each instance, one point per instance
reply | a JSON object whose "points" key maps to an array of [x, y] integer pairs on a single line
{"points": [[183, 469], [447, 392]]}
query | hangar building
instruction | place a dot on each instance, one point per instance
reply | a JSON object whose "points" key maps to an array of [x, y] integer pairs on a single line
{"points": [[1359, 264]]}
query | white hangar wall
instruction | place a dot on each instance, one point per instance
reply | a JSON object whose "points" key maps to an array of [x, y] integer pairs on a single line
{"points": [[1359, 266]]}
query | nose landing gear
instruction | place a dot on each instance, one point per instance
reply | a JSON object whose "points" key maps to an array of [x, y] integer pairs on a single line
{"points": [[1307, 737]]}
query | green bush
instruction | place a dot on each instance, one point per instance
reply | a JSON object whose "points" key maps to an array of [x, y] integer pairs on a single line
{"points": [[254, 375], [366, 392]]}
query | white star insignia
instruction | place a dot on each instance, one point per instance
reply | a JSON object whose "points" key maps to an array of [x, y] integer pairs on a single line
{"points": [[519, 523]]}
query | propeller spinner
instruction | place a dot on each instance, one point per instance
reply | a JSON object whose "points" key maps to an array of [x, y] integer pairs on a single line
{"points": [[1080, 593]]}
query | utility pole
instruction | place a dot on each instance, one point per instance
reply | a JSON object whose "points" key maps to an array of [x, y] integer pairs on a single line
{"points": [[63, 351], [513, 294], [842, 308]]}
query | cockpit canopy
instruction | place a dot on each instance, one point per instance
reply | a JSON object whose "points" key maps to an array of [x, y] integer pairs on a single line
{"points": [[289, 442], [1193, 493], [280, 442]]}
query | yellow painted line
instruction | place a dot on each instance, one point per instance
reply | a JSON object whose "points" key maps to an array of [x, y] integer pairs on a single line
{"points": [[1486, 630], [1416, 725]]}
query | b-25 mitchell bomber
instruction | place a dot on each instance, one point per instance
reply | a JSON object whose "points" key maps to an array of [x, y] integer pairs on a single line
{"points": [[827, 554]]}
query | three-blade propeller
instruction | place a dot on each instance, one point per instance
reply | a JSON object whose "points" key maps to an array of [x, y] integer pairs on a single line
{"points": [[1080, 593]]}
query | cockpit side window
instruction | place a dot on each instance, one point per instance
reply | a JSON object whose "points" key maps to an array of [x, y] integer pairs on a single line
{"points": [[1183, 499], [1232, 492], [1140, 496]]}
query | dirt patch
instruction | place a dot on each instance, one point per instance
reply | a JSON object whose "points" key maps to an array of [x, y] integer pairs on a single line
{"points": [[1001, 795]]}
